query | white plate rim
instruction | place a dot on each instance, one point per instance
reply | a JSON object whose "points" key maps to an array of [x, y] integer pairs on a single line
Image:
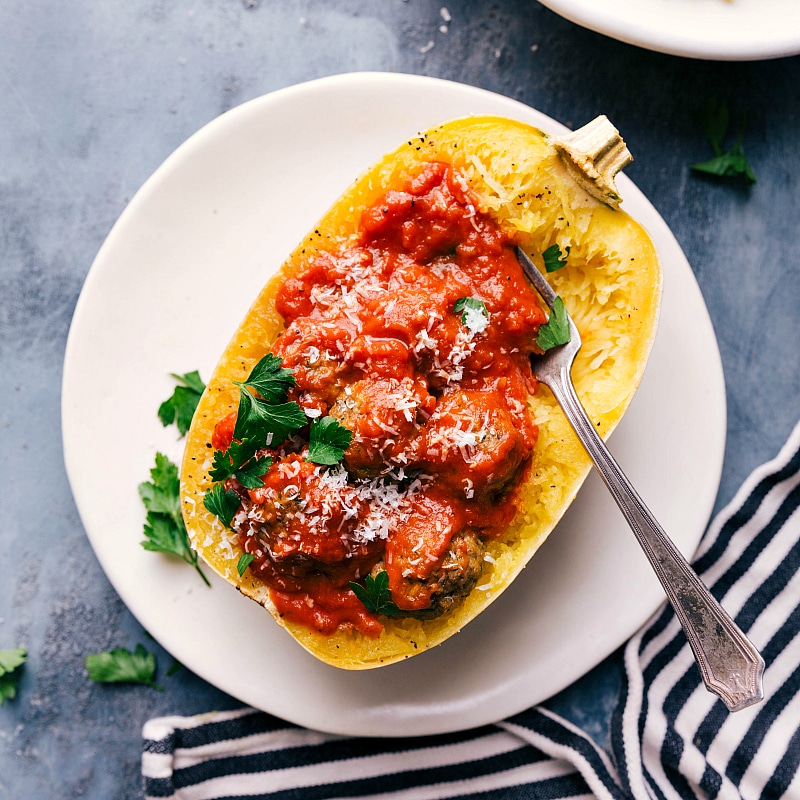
{"points": [[706, 29], [388, 701]]}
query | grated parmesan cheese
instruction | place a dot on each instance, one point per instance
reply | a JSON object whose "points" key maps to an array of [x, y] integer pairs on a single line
{"points": [[475, 319]]}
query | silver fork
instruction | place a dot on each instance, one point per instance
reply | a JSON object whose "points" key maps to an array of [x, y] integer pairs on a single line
{"points": [[730, 665]]}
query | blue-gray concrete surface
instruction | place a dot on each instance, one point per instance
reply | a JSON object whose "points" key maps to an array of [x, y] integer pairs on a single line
{"points": [[95, 95]]}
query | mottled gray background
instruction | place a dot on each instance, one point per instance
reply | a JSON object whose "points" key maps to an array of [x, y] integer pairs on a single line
{"points": [[95, 95]]}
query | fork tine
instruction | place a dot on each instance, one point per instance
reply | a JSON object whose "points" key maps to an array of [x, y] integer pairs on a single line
{"points": [[536, 277]]}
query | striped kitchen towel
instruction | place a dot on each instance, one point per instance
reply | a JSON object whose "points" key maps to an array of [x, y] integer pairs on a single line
{"points": [[670, 738]]}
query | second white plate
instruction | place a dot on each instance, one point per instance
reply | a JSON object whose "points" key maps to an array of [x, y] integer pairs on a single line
{"points": [[725, 30], [168, 288]]}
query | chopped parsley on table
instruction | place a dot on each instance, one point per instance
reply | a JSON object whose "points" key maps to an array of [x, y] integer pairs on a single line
{"points": [[120, 665], [10, 662], [715, 121]]}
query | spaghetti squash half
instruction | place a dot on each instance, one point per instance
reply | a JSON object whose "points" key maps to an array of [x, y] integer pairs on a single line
{"points": [[372, 460]]}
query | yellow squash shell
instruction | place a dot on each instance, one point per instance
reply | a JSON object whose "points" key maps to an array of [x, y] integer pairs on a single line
{"points": [[611, 287]]}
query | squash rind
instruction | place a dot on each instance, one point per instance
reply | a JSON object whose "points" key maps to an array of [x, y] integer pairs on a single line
{"points": [[611, 286]]}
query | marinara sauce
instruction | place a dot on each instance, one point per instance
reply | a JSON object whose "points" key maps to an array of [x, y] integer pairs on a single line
{"points": [[417, 340]]}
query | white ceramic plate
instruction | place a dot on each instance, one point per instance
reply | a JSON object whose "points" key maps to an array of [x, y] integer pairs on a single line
{"points": [[168, 288], [732, 30]]}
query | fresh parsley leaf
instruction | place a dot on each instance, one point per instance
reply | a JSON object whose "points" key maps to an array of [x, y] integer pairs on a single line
{"points": [[251, 474], [715, 121], [474, 313], [556, 330], [375, 594], [270, 379], [11, 659], [8, 687], [162, 495], [180, 407], [263, 418], [553, 259], [730, 164], [464, 303], [245, 559], [174, 667], [238, 461], [327, 441], [10, 662], [226, 462], [165, 530], [222, 503], [269, 424], [165, 537], [120, 665]]}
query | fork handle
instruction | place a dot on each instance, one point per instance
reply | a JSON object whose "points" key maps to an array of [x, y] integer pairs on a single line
{"points": [[730, 665]]}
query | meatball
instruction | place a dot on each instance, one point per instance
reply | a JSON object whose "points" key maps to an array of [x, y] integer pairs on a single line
{"points": [[473, 443], [432, 557], [313, 351], [297, 521], [452, 579], [384, 416]]}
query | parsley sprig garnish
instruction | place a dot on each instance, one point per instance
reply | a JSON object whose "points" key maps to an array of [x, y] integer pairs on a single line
{"points": [[270, 379], [245, 559], [180, 407], [554, 259], [556, 330], [10, 662], [715, 121], [120, 665], [264, 422], [164, 529], [222, 503], [327, 441], [264, 419], [375, 594], [264, 416], [240, 461]]}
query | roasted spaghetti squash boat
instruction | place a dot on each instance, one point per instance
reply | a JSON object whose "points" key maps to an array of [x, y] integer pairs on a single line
{"points": [[372, 460]]}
